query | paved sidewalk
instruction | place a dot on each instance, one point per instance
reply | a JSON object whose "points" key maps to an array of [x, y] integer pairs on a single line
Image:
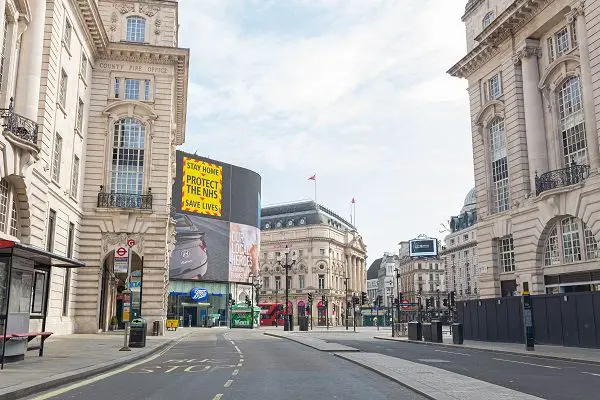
{"points": [[541, 351], [315, 343], [69, 358], [434, 383]]}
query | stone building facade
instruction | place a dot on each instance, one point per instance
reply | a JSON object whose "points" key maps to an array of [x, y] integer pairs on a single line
{"points": [[373, 280], [100, 93], [532, 71], [420, 277], [330, 259], [459, 254], [386, 278]]}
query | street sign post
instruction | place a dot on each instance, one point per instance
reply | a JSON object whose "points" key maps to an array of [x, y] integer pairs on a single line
{"points": [[121, 260]]}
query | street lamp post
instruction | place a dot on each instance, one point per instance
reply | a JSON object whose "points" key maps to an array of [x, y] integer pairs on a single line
{"points": [[438, 305], [287, 266], [346, 305], [252, 276], [398, 295], [276, 306]]}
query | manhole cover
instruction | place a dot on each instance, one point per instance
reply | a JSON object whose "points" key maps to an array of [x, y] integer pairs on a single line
{"points": [[432, 360]]}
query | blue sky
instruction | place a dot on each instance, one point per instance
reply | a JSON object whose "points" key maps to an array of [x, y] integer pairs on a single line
{"points": [[354, 91]]}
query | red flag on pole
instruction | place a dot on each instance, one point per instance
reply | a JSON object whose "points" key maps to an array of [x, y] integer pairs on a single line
{"points": [[313, 178]]}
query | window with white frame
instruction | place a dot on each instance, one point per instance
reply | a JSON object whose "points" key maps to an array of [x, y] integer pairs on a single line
{"points": [[572, 122], [62, 94], [499, 166], [75, 177], [132, 89], [277, 283], [67, 34], [136, 29], [3, 61], [56, 157], [135, 89], [493, 87], [506, 254], [487, 20], [117, 88], [4, 202], [266, 282], [127, 171], [321, 281], [300, 281], [83, 67], [80, 108], [562, 42], [570, 241]]}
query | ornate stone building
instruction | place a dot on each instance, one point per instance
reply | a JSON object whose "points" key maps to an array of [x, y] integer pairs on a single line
{"points": [[327, 248], [459, 254], [87, 152], [534, 91], [420, 277]]}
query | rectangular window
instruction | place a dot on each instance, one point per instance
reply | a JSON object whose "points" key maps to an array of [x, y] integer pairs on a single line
{"points": [[80, 108], [265, 255], [67, 35], [75, 177], [300, 253], [67, 281], [300, 281], [147, 90], [3, 61], [56, 158], [562, 42], [573, 31], [62, 94], [506, 253], [51, 227], [419, 266], [266, 282], [39, 287], [136, 29], [289, 282], [117, 87], [494, 87], [466, 237], [321, 281], [83, 67], [277, 283], [322, 251], [14, 223], [4, 191], [132, 89]]}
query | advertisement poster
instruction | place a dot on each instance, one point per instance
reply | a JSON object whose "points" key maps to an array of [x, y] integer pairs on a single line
{"points": [[202, 187], [244, 243]]}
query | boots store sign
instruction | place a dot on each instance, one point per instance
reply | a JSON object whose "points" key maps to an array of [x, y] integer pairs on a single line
{"points": [[199, 295]]}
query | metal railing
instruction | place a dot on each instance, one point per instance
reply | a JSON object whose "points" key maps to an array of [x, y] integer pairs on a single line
{"points": [[561, 178], [18, 125], [125, 200]]}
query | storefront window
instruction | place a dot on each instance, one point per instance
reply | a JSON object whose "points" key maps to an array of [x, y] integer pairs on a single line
{"points": [[3, 286], [20, 291]]}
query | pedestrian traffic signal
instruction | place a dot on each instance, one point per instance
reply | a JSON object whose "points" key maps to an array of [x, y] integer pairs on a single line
{"points": [[363, 298], [445, 302], [428, 302], [323, 299], [248, 301], [380, 300], [452, 298]]}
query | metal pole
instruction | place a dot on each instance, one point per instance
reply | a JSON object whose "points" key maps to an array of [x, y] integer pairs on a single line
{"points": [[276, 307], [287, 315], [6, 311], [327, 312], [347, 313], [125, 336], [252, 304], [377, 309], [354, 314]]}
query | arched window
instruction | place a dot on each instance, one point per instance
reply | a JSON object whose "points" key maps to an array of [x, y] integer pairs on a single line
{"points": [[9, 217], [136, 29], [487, 20], [499, 165], [572, 123], [569, 241], [127, 172]]}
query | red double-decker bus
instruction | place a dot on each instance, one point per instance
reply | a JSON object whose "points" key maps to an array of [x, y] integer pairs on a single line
{"points": [[271, 314]]}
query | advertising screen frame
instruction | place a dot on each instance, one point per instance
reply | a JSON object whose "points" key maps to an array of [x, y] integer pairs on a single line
{"points": [[433, 253]]}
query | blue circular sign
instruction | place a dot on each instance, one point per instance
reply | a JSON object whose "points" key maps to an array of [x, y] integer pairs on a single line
{"points": [[198, 294]]}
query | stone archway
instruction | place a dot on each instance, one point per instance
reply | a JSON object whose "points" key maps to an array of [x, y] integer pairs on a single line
{"points": [[19, 188]]}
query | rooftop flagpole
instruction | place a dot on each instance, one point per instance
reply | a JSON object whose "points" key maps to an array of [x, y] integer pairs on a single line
{"points": [[354, 211], [314, 178]]}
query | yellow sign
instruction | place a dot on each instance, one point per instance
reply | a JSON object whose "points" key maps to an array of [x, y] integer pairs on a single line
{"points": [[202, 187], [125, 314]]}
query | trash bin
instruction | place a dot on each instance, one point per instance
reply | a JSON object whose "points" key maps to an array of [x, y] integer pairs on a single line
{"points": [[155, 328], [137, 333], [415, 331], [303, 323], [427, 332], [436, 331], [457, 333]]}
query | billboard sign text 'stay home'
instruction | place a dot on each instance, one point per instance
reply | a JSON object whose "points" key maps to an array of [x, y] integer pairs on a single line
{"points": [[217, 211]]}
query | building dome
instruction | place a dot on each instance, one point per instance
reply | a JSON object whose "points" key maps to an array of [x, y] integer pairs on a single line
{"points": [[470, 201]]}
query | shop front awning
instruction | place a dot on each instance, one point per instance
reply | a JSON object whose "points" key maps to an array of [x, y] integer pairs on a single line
{"points": [[8, 247]]}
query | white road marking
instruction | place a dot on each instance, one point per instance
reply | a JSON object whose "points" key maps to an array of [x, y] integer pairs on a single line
{"points": [[589, 373], [239, 365], [232, 342], [218, 397], [454, 352], [522, 362], [238, 349], [235, 372], [228, 383]]}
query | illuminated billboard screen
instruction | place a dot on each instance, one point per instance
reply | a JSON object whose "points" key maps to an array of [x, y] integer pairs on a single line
{"points": [[216, 207], [423, 248]]}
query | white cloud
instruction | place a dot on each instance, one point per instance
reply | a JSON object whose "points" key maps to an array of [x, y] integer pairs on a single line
{"points": [[353, 90]]}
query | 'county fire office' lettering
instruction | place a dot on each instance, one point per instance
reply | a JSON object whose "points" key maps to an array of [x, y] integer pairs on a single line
{"points": [[202, 187]]}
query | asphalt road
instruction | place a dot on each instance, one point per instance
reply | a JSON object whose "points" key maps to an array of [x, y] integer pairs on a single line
{"points": [[239, 365], [549, 379]]}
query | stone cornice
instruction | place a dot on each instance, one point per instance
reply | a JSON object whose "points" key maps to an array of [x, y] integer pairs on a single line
{"points": [[178, 57], [88, 11], [517, 15]]}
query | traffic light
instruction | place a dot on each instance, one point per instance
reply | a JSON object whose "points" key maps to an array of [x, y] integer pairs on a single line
{"points": [[396, 302], [452, 298], [363, 298], [379, 300], [323, 299], [445, 302], [310, 298], [247, 301], [400, 296], [428, 302]]}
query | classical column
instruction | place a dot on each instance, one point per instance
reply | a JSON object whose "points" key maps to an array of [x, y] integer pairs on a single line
{"points": [[577, 14], [537, 150], [354, 263], [27, 94]]}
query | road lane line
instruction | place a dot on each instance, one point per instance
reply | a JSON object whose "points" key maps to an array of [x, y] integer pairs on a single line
{"points": [[228, 383], [232, 342], [522, 362], [235, 372], [218, 397], [589, 373], [239, 365], [238, 349], [86, 382], [454, 352]]}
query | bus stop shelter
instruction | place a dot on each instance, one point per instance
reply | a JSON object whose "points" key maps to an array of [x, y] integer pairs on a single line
{"points": [[24, 291]]}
